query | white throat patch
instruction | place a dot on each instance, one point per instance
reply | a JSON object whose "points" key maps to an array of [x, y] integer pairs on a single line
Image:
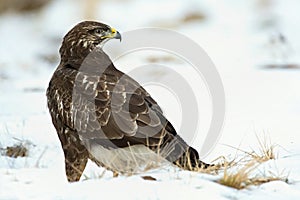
{"points": [[103, 43]]}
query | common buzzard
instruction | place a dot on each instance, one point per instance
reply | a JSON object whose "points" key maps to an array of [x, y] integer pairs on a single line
{"points": [[99, 112]]}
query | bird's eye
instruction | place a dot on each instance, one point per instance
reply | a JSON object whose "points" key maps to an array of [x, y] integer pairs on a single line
{"points": [[97, 31]]}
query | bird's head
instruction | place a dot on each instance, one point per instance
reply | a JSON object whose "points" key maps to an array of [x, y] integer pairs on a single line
{"points": [[86, 37]]}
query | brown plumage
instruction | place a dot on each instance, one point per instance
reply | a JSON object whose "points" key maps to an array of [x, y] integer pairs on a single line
{"points": [[96, 109]]}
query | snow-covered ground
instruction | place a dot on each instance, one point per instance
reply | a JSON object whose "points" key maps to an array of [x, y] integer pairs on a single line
{"points": [[239, 38]]}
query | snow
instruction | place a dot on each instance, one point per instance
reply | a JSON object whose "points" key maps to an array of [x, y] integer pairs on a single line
{"points": [[236, 37]]}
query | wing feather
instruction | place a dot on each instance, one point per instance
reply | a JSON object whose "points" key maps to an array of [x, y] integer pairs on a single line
{"points": [[111, 106]]}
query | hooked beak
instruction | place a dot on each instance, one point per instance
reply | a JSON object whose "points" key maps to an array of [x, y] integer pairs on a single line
{"points": [[113, 34]]}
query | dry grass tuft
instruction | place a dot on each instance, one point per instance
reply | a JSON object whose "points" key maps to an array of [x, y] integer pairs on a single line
{"points": [[239, 179], [20, 149], [243, 175], [266, 150], [15, 151]]}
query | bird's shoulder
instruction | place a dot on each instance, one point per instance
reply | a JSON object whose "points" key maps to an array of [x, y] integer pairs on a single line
{"points": [[110, 99]]}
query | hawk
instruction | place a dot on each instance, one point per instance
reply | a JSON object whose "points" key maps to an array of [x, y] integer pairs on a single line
{"points": [[99, 112]]}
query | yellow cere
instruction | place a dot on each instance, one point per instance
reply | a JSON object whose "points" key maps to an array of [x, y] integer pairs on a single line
{"points": [[113, 30]]}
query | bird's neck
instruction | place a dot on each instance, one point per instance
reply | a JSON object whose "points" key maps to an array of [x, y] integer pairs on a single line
{"points": [[94, 62]]}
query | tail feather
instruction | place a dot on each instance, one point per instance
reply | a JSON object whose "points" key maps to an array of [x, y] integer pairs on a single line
{"points": [[177, 151]]}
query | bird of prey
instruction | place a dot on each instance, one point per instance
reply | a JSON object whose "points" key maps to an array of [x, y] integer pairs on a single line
{"points": [[99, 112]]}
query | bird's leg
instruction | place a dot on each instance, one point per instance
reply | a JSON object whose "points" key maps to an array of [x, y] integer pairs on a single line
{"points": [[75, 168], [76, 155]]}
